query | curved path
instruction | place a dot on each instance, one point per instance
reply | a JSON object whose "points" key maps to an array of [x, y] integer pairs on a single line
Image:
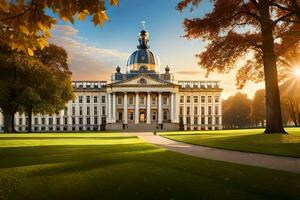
{"points": [[254, 159]]}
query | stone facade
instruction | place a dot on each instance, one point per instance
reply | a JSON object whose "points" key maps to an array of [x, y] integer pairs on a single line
{"points": [[141, 99]]}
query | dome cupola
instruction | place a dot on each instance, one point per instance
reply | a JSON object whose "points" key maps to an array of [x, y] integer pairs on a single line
{"points": [[143, 59]]}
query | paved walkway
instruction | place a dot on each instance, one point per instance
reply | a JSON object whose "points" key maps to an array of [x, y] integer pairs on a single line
{"points": [[259, 160]]}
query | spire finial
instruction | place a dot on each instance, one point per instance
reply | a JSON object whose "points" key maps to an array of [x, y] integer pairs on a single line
{"points": [[143, 25]]}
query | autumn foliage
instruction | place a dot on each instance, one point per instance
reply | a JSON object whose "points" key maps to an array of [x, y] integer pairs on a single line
{"points": [[252, 36], [25, 25]]}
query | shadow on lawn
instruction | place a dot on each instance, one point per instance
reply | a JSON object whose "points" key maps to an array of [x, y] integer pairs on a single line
{"points": [[37, 155]]}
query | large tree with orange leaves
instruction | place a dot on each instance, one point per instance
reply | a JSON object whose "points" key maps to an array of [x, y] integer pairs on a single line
{"points": [[248, 34], [25, 25]]}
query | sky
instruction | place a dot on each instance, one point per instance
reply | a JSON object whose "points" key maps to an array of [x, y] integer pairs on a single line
{"points": [[94, 52]]}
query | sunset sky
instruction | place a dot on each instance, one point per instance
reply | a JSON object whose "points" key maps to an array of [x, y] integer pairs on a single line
{"points": [[94, 52]]}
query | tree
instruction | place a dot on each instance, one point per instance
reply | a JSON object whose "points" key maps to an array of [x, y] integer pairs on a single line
{"points": [[236, 111], [249, 31], [258, 107], [25, 25], [38, 88]]}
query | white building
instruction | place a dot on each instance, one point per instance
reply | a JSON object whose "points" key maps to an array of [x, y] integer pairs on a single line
{"points": [[142, 99]]}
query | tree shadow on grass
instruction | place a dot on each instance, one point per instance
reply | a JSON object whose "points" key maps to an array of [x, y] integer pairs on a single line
{"points": [[25, 156]]}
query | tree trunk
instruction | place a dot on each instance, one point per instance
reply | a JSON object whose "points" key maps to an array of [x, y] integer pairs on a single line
{"points": [[29, 121], [9, 121], [273, 107]]}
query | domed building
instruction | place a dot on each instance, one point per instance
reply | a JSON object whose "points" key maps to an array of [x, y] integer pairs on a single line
{"points": [[140, 97]]}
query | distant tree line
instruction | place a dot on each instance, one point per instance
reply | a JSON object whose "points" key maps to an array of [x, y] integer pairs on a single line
{"points": [[239, 111]]}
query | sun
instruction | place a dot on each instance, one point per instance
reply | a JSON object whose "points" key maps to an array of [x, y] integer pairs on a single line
{"points": [[297, 72]]}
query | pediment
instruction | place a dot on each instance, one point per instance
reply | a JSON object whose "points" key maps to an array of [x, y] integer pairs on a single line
{"points": [[142, 80]]}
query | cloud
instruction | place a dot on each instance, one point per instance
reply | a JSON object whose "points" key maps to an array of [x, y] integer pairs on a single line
{"points": [[85, 61]]}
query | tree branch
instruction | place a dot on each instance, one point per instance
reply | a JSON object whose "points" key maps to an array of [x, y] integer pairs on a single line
{"points": [[246, 13], [20, 14]]}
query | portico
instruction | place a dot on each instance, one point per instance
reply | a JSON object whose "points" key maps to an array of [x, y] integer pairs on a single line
{"points": [[132, 103]]}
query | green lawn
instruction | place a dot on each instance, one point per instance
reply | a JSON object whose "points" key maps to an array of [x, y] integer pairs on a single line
{"points": [[114, 166], [249, 140]]}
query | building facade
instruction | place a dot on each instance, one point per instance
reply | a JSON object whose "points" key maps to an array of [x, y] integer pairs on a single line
{"points": [[140, 99]]}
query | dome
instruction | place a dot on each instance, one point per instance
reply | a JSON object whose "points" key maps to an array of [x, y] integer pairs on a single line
{"points": [[143, 59]]}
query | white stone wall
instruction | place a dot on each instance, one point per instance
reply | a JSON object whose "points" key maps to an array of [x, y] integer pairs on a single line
{"points": [[208, 119]]}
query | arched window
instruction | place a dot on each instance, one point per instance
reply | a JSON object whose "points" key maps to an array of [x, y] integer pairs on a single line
{"points": [[143, 68]]}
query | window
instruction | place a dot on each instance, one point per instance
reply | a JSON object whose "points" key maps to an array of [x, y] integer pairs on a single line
{"points": [[43, 121], [26, 121], [95, 110], [80, 121], [165, 115], [154, 116], [88, 99], [36, 121], [131, 100], [209, 110], [95, 99], [73, 110], [216, 99], [103, 110], [96, 120], [195, 120], [88, 110], [165, 100], [188, 120], [195, 99], [181, 110], [50, 121], [80, 99], [21, 121], [73, 120], [188, 99], [195, 110], [88, 120], [202, 110], [80, 110], [216, 110], [181, 99], [202, 120], [209, 120], [57, 120], [65, 120], [103, 98], [202, 99], [153, 100], [217, 120], [131, 115], [209, 99], [188, 110], [66, 111], [120, 100], [142, 100]]}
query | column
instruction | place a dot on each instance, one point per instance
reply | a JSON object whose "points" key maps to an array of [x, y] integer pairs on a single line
{"points": [[172, 107], [114, 107], [148, 108], [159, 108], [125, 113], [220, 111], [213, 111], [176, 107], [136, 115], [109, 107], [192, 112]]}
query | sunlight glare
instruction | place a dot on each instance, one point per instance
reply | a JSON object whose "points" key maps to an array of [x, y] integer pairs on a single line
{"points": [[297, 72]]}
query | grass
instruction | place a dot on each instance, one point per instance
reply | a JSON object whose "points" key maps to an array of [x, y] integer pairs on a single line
{"points": [[114, 166], [249, 140]]}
